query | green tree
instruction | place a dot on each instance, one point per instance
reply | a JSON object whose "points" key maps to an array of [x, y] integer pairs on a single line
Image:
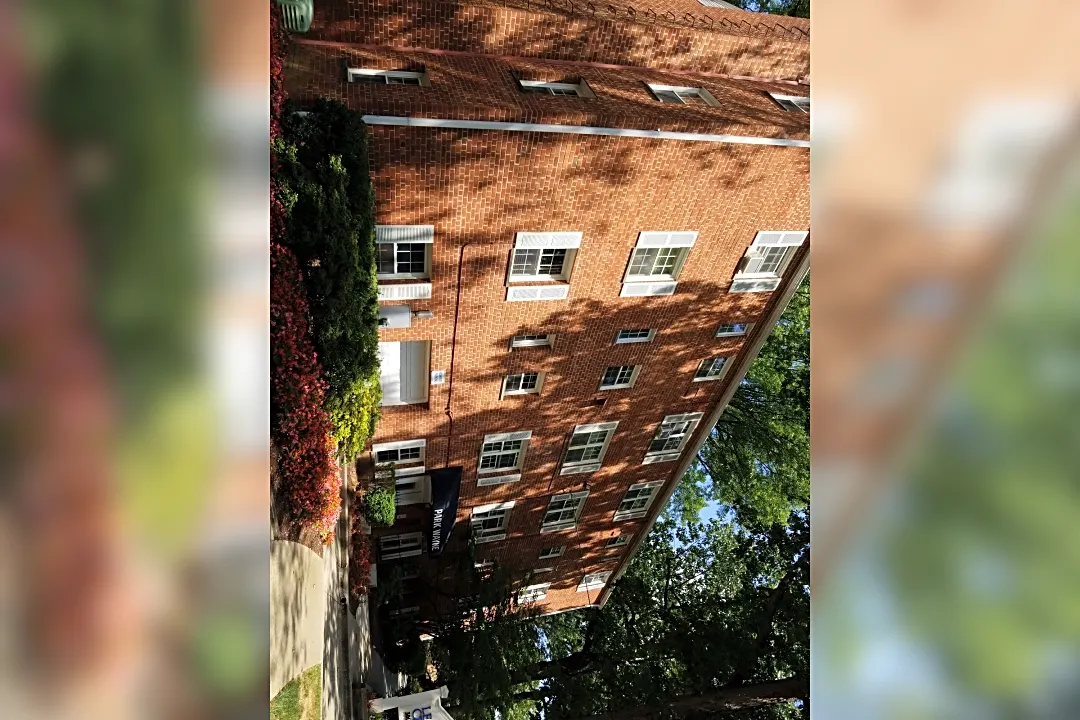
{"points": [[795, 8]]}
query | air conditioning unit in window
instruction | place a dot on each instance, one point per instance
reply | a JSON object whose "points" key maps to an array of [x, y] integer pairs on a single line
{"points": [[647, 289], [754, 285]]}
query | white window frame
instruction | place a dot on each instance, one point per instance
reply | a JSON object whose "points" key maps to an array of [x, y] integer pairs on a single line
{"points": [[568, 240], [617, 542], [594, 581], [637, 285], [792, 103], [532, 593], [486, 480], [724, 331], [405, 235], [621, 340], [580, 89], [500, 510], [532, 340], [387, 75], [552, 552], [412, 538], [681, 92], [689, 420], [630, 513], [749, 277], [572, 467], [523, 437], [634, 370], [712, 362], [532, 391], [578, 498], [399, 445]]}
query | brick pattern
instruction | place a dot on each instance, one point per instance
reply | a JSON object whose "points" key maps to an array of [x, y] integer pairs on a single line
{"points": [[674, 34]]}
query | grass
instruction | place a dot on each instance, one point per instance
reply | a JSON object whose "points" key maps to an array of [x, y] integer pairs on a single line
{"points": [[300, 698]]}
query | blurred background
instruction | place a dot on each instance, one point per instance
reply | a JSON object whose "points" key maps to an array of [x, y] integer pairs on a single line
{"points": [[134, 499]]}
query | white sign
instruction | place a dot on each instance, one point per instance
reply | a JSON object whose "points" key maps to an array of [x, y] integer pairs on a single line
{"points": [[438, 377], [419, 706]]}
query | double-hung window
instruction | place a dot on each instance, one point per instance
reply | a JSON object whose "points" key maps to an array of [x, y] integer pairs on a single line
{"points": [[619, 376], [636, 501], [593, 581], [733, 329], [552, 552], [634, 335], [503, 452], [766, 259], [543, 256], [671, 437], [680, 95], [488, 522], [617, 541], [585, 451], [388, 77], [400, 546], [655, 263], [560, 89], [403, 252], [533, 593], [399, 453], [792, 103], [532, 340], [523, 383], [711, 369], [563, 511]]}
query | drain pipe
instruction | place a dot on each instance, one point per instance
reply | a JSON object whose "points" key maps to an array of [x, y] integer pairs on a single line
{"points": [[453, 350]]}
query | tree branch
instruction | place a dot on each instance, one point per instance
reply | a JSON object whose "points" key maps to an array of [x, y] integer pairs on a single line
{"points": [[723, 700]]}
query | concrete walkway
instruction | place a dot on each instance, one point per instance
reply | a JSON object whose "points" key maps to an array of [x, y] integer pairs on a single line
{"points": [[297, 611], [337, 701]]}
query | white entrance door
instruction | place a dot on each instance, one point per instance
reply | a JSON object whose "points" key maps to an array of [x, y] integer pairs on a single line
{"points": [[404, 372], [399, 546]]}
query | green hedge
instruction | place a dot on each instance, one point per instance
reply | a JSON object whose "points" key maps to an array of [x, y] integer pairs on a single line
{"points": [[380, 506], [325, 186]]}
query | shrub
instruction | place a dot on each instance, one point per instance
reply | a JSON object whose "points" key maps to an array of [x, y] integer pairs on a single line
{"points": [[359, 557], [326, 191], [299, 423], [380, 507]]}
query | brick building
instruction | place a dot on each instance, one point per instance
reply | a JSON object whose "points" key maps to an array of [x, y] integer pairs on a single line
{"points": [[589, 218]]}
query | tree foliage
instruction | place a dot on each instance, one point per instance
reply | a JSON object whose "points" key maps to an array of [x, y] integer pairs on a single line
{"points": [[794, 8]]}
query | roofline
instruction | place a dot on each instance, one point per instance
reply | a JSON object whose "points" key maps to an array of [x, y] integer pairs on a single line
{"points": [[746, 358]]}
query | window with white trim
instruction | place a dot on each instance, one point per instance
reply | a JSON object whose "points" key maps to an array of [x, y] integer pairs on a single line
{"points": [[560, 89], [552, 552], [523, 383], [593, 581], [733, 329], [543, 256], [619, 376], [587, 446], [642, 335], [636, 501], [403, 252], [680, 95], [711, 369], [399, 546], [488, 522], [503, 451], [671, 437], [533, 593], [655, 262], [792, 103], [617, 541], [766, 259], [388, 77], [399, 453], [563, 511], [520, 341]]}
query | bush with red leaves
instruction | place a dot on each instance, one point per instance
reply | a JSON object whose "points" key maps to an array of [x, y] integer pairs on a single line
{"points": [[311, 483], [359, 556]]}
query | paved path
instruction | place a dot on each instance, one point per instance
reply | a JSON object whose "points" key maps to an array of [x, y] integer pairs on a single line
{"points": [[297, 611], [336, 691]]}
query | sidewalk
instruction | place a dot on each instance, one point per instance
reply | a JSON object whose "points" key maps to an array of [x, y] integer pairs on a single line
{"points": [[297, 611], [336, 691]]}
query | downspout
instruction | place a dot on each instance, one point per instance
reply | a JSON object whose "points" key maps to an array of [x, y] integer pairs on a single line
{"points": [[453, 350]]}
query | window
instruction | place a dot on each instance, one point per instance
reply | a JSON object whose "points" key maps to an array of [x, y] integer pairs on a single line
{"points": [[519, 341], [619, 376], [766, 259], [397, 453], [399, 546], [587, 446], [594, 581], [671, 436], [523, 383], [643, 335], [403, 251], [388, 77], [563, 510], [683, 95], [655, 262], [552, 552], [503, 451], [792, 103], [488, 522], [711, 369], [636, 501], [412, 489], [562, 89], [543, 256], [533, 593], [617, 541], [733, 329]]}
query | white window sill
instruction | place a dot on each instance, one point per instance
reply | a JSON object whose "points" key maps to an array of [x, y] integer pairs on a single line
{"points": [[560, 528], [491, 538], [630, 516]]}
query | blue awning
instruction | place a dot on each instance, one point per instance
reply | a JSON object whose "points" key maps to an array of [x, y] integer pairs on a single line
{"points": [[445, 488]]}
